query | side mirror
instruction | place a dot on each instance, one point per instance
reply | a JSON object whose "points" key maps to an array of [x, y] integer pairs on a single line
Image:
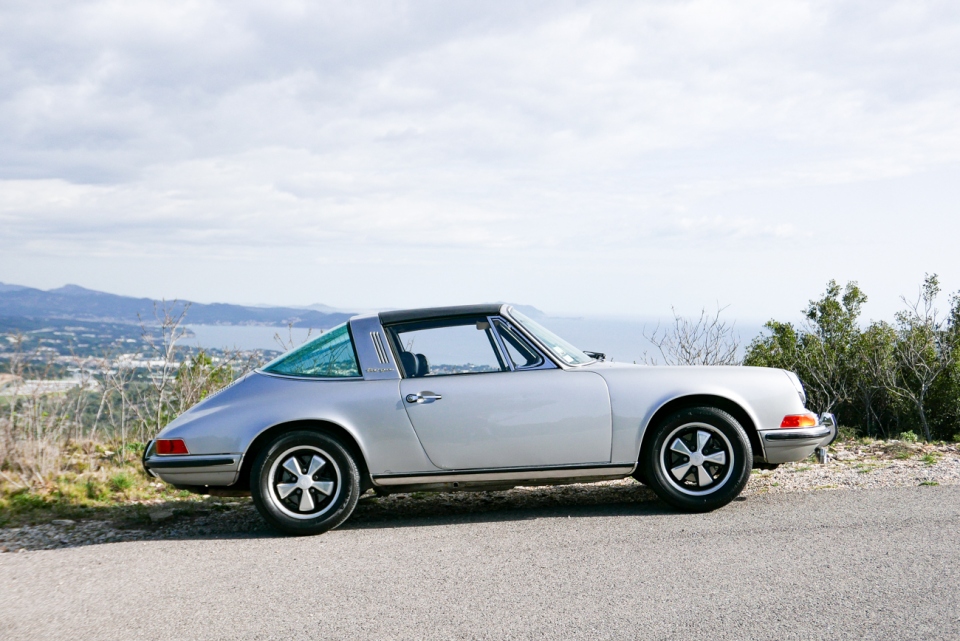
{"points": [[600, 356]]}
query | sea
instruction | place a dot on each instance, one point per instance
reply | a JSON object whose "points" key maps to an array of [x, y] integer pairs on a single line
{"points": [[620, 338]]}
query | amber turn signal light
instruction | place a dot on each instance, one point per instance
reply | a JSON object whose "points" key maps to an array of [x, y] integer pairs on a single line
{"points": [[800, 420], [171, 446]]}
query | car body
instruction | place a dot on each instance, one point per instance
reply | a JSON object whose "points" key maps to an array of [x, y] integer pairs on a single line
{"points": [[478, 397]]}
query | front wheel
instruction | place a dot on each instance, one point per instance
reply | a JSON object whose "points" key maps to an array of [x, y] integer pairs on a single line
{"points": [[698, 460], [305, 483]]}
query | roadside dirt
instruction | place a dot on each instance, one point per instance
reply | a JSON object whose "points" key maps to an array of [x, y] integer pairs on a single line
{"points": [[853, 466]]}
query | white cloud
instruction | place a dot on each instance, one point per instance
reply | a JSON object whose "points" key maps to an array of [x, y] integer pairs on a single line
{"points": [[439, 137], [726, 229]]}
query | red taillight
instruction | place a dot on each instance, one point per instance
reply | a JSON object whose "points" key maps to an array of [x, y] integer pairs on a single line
{"points": [[799, 420], [171, 446]]}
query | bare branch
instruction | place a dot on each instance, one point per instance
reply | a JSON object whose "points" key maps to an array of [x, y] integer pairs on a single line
{"points": [[706, 341]]}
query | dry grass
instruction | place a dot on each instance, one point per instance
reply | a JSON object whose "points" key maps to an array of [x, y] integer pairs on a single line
{"points": [[92, 479]]}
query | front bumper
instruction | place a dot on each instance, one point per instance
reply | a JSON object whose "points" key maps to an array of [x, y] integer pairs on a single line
{"points": [[784, 445]]}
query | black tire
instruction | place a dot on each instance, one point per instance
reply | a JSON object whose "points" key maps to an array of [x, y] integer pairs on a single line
{"points": [[278, 492], [702, 479]]}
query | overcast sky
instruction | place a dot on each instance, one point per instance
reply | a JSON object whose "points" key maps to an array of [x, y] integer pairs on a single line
{"points": [[586, 157]]}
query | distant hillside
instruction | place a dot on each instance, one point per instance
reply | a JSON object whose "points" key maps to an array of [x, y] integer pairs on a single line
{"points": [[530, 311], [79, 303]]}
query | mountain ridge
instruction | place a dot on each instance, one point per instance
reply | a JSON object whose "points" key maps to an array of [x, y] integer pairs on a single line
{"points": [[74, 302]]}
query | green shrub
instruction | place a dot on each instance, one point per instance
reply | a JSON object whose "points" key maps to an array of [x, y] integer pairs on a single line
{"points": [[121, 482], [846, 433], [26, 500], [881, 377], [909, 437], [96, 490], [68, 491]]}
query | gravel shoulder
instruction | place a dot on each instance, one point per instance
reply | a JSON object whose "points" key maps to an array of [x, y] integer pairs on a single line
{"points": [[853, 466]]}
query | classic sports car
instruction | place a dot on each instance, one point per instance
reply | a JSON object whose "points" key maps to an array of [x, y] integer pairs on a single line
{"points": [[476, 397]]}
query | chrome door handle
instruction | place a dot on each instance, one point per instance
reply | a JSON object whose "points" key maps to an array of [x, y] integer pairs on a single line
{"points": [[423, 397]]}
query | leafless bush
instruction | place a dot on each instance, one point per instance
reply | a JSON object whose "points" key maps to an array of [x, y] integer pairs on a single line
{"points": [[202, 374], [38, 420], [290, 342], [168, 320], [116, 400], [708, 340]]}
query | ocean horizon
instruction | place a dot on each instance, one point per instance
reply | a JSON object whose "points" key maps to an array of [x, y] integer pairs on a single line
{"points": [[621, 339]]}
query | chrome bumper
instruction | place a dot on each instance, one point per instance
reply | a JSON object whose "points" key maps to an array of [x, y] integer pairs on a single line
{"points": [[784, 445], [217, 469]]}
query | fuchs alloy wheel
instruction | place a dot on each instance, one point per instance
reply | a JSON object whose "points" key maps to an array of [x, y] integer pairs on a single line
{"points": [[699, 459], [305, 483]]}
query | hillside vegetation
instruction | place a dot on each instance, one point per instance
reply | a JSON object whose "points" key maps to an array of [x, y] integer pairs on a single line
{"points": [[882, 379]]}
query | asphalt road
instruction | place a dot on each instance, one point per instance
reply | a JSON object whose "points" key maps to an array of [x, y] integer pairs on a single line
{"points": [[874, 564]]}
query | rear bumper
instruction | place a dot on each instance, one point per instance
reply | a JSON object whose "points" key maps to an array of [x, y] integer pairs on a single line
{"points": [[795, 444], [199, 469]]}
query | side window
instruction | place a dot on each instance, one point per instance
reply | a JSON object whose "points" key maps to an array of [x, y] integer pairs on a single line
{"points": [[523, 355], [450, 346], [329, 355]]}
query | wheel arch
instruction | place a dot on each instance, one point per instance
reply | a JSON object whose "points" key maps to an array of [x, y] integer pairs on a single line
{"points": [[264, 438], [735, 409]]}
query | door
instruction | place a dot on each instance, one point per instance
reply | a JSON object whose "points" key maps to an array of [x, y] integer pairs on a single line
{"points": [[472, 409]]}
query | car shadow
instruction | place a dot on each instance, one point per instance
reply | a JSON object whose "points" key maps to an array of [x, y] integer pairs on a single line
{"points": [[519, 504], [238, 519]]}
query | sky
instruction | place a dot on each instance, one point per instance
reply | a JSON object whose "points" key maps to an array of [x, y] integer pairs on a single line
{"points": [[604, 158]]}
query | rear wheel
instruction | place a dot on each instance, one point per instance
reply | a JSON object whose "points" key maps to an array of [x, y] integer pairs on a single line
{"points": [[305, 483], [698, 460]]}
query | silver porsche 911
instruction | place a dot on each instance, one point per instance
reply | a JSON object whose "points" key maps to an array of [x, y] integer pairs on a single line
{"points": [[477, 397]]}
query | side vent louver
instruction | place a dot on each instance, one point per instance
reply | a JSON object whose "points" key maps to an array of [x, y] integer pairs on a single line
{"points": [[379, 347]]}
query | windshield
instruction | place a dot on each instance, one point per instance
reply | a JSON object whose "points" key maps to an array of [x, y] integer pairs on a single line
{"points": [[557, 346]]}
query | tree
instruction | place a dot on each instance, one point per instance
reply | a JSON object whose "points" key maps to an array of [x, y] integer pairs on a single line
{"points": [[945, 394], [873, 358], [922, 351], [822, 351], [829, 345], [780, 349]]}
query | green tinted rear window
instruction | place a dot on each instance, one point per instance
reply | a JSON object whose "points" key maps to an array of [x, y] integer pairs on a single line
{"points": [[329, 355]]}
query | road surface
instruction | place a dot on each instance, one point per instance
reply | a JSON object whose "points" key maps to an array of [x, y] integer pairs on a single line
{"points": [[874, 564]]}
